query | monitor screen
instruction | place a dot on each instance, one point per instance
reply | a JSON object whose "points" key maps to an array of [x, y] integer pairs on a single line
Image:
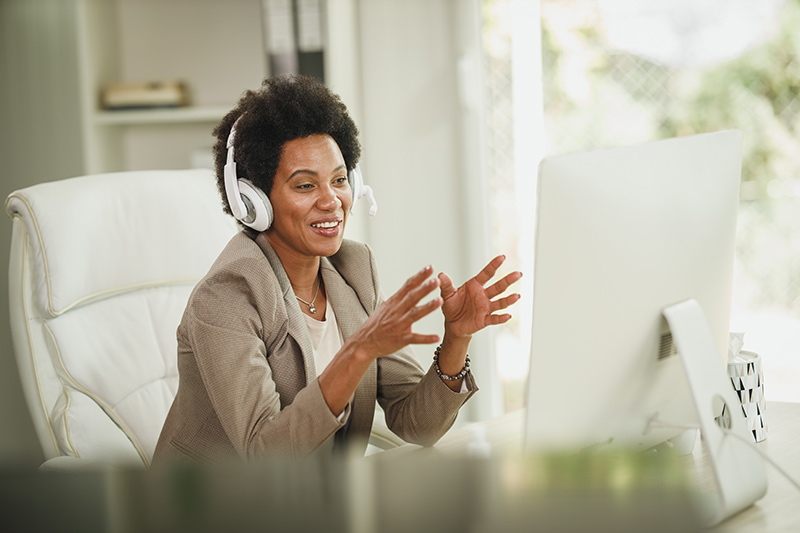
{"points": [[621, 234]]}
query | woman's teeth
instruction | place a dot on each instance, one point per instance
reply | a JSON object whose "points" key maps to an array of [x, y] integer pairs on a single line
{"points": [[325, 224]]}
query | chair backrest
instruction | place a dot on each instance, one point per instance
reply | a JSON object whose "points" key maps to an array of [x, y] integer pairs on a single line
{"points": [[100, 271]]}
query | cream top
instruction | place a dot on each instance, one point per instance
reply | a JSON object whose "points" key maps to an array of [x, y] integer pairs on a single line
{"points": [[326, 339]]}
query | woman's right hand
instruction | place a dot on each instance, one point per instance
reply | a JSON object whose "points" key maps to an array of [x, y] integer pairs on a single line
{"points": [[389, 328]]}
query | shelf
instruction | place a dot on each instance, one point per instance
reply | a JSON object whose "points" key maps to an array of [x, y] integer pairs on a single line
{"points": [[177, 115]]}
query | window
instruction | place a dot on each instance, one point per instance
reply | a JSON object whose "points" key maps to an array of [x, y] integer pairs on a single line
{"points": [[616, 72]]}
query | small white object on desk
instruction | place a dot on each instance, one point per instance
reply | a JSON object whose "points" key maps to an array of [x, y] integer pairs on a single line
{"points": [[747, 378]]}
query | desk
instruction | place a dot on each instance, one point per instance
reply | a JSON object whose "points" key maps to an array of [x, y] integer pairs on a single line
{"points": [[777, 511]]}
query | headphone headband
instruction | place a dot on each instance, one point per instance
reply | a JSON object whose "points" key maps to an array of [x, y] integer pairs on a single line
{"points": [[248, 203], [232, 134]]}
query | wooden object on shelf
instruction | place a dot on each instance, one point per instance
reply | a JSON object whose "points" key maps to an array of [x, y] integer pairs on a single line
{"points": [[145, 95]]}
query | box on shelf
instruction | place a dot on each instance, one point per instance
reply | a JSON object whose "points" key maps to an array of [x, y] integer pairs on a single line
{"points": [[145, 95]]}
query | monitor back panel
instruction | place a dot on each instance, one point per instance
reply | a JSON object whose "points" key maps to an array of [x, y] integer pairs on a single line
{"points": [[620, 234]]}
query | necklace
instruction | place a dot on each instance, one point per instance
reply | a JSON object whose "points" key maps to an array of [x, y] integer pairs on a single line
{"points": [[314, 299]]}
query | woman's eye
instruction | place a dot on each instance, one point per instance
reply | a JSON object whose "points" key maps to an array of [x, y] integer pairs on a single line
{"points": [[341, 180], [305, 186]]}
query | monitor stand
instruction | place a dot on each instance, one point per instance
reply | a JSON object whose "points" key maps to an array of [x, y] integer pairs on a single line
{"points": [[738, 469]]}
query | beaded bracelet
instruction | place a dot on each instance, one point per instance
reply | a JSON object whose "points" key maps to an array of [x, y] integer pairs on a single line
{"points": [[442, 374]]}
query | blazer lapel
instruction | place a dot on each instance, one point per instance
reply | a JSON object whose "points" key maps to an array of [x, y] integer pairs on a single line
{"points": [[296, 327], [350, 314]]}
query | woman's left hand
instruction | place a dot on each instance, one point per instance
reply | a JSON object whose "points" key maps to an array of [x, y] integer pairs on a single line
{"points": [[471, 307]]}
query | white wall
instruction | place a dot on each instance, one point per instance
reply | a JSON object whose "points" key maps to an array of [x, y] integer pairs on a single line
{"points": [[420, 71], [39, 141], [216, 47]]}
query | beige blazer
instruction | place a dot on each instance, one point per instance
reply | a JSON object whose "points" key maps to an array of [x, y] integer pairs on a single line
{"points": [[247, 384]]}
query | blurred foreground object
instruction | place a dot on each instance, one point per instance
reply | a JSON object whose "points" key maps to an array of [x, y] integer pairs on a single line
{"points": [[426, 491]]}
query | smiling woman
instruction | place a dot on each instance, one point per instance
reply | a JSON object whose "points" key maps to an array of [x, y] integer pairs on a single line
{"points": [[311, 199], [287, 343]]}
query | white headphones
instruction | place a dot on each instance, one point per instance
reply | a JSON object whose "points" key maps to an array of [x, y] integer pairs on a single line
{"points": [[250, 205]]}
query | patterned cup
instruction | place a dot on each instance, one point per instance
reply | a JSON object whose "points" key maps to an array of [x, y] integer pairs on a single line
{"points": [[747, 379]]}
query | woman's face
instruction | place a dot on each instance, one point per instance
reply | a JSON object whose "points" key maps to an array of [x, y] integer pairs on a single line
{"points": [[310, 198]]}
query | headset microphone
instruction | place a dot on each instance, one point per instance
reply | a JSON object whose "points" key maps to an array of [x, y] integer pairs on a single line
{"points": [[360, 190]]}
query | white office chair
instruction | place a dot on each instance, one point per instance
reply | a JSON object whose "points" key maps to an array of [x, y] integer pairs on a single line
{"points": [[100, 271]]}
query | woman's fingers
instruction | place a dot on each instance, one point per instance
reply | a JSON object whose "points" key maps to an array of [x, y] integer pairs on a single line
{"points": [[490, 270], [493, 320], [503, 284], [416, 280], [403, 309], [502, 303], [447, 289], [425, 309], [416, 295], [415, 288]]}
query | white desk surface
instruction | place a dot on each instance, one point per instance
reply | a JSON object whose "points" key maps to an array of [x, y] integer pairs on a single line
{"points": [[777, 511]]}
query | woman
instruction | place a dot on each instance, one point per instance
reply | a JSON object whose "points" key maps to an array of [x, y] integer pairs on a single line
{"points": [[287, 342]]}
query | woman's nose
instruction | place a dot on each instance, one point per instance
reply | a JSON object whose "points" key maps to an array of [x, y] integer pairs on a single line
{"points": [[328, 199]]}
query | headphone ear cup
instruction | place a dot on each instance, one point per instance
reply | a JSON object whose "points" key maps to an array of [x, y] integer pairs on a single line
{"points": [[259, 209]]}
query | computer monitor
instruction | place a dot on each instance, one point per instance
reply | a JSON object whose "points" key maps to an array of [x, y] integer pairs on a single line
{"points": [[633, 267], [621, 234]]}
